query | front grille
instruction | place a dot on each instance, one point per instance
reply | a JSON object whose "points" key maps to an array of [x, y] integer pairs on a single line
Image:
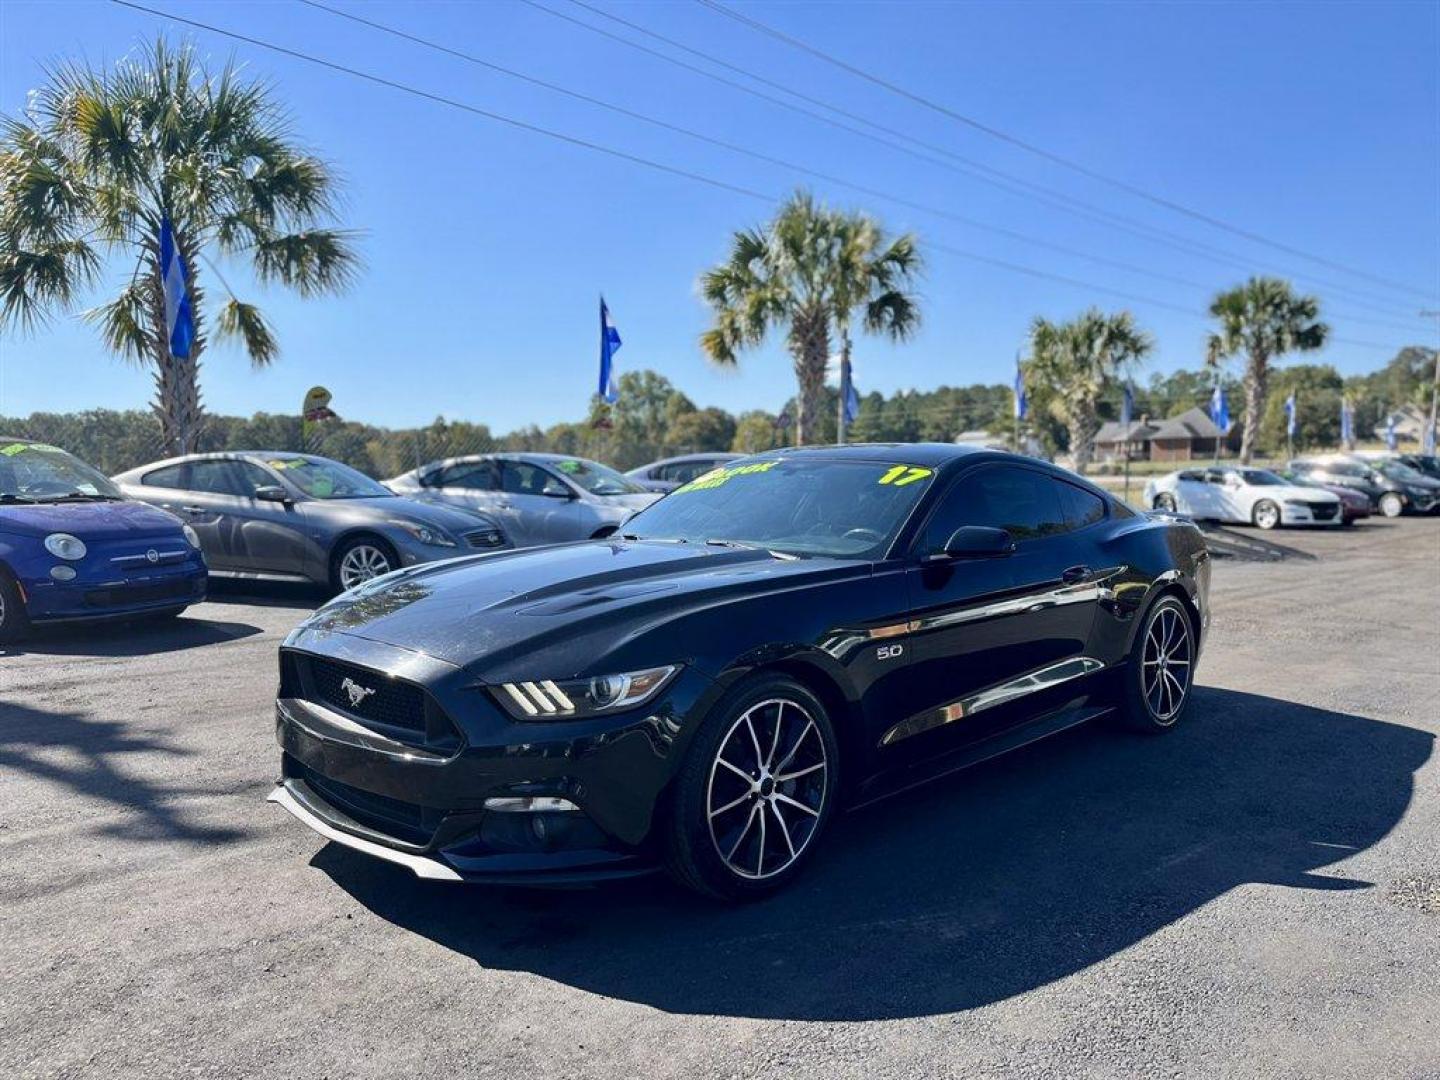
{"points": [[1324, 511], [484, 538], [125, 595], [404, 821], [388, 701]]}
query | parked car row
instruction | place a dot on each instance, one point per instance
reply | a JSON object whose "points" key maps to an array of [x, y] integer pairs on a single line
{"points": [[1334, 489]]}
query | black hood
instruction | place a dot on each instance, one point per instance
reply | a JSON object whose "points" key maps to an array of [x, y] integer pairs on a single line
{"points": [[574, 604]]}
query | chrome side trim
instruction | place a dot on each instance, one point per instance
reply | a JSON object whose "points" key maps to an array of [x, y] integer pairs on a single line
{"points": [[419, 865], [1042, 679]]}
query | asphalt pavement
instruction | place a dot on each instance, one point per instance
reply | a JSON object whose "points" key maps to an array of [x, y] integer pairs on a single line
{"points": [[1254, 895]]}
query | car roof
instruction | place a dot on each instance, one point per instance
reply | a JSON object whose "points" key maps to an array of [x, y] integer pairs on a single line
{"points": [[933, 455], [703, 455], [220, 455]]}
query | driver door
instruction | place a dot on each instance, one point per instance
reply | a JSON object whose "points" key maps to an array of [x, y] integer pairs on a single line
{"points": [[1230, 494], [541, 505], [1194, 496]]}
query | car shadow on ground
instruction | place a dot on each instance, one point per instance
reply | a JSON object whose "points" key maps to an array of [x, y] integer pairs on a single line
{"points": [[975, 888], [85, 756], [280, 594], [139, 637]]}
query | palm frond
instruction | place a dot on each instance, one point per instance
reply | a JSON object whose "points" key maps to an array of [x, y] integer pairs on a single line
{"points": [[312, 262], [244, 323], [124, 323]]}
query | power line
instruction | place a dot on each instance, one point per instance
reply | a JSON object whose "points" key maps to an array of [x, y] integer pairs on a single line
{"points": [[947, 159], [1048, 155], [612, 152]]}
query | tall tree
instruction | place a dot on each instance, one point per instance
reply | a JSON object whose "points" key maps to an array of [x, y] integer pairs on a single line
{"points": [[1264, 319], [1072, 365], [101, 157], [812, 271]]}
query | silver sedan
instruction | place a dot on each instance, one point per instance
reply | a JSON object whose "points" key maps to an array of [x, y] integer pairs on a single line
{"points": [[299, 517], [537, 498]]}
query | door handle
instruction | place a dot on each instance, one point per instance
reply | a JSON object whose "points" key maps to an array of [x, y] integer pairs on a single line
{"points": [[193, 510], [1074, 574]]}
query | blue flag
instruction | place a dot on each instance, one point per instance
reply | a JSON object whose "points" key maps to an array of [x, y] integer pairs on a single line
{"points": [[1347, 422], [1290, 415], [1219, 411], [1429, 448], [609, 342], [1127, 406], [179, 319], [1391, 439], [1021, 406], [851, 398]]}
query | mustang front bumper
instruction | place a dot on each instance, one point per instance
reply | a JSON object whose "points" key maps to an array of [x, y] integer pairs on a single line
{"points": [[470, 794]]}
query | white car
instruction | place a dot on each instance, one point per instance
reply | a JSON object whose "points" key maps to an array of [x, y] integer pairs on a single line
{"points": [[1245, 495]]}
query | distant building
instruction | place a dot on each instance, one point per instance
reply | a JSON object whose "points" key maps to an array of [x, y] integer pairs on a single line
{"points": [[1189, 436], [1410, 424]]}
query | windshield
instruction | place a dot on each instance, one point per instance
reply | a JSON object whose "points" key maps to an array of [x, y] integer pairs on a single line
{"points": [[1260, 478], [321, 478], [37, 472], [595, 478], [844, 509], [1397, 470]]}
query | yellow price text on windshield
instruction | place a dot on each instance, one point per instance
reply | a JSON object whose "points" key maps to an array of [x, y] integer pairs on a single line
{"points": [[715, 477], [900, 475]]}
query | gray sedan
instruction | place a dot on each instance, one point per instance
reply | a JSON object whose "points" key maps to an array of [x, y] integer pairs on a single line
{"points": [[298, 517], [537, 498]]}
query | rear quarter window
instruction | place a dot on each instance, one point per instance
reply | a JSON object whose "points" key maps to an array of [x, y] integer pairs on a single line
{"points": [[171, 476]]}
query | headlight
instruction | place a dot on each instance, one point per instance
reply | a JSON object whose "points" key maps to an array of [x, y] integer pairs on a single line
{"points": [[65, 546], [426, 534], [192, 536], [545, 699]]}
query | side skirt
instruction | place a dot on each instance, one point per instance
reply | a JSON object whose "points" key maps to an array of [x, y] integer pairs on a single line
{"points": [[1001, 743]]}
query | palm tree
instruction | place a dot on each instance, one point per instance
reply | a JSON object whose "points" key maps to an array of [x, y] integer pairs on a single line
{"points": [[811, 270], [1264, 319], [1073, 364], [99, 159]]}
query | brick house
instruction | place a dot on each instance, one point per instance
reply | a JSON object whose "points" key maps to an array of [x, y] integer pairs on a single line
{"points": [[1191, 435]]}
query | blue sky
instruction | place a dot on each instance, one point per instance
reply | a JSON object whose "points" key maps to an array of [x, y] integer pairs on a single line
{"points": [[1317, 125]]}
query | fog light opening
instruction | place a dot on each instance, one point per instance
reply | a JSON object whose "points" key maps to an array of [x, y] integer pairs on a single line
{"points": [[529, 804], [62, 573]]}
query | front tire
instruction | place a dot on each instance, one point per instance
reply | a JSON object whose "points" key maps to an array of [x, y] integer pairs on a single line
{"points": [[1391, 504], [14, 621], [359, 559], [1156, 680], [755, 793], [1266, 515]]}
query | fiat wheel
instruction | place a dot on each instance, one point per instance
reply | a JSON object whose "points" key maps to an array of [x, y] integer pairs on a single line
{"points": [[1161, 669], [14, 622], [359, 560], [755, 792], [1266, 514]]}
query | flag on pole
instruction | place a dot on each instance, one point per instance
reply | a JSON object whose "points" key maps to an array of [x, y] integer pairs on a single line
{"points": [[609, 342], [1127, 407], [849, 396], [179, 320], [1347, 422], [1219, 410], [1290, 415], [1391, 438], [1429, 440], [1021, 406]]}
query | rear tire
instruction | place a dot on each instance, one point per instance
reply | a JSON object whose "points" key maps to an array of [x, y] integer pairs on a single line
{"points": [[755, 793], [1157, 678], [1391, 504], [14, 620]]}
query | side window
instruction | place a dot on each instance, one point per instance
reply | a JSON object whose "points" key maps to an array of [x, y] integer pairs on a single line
{"points": [[214, 478], [1081, 507], [1214, 476], [472, 476], [522, 478], [252, 477], [171, 476], [1193, 477], [1023, 502], [682, 472]]}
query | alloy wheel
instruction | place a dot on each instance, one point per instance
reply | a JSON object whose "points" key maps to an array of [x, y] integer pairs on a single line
{"points": [[767, 789], [1166, 663], [1267, 515], [361, 563], [1391, 505]]}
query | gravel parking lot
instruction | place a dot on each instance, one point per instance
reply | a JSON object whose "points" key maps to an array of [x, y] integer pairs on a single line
{"points": [[1257, 894]]}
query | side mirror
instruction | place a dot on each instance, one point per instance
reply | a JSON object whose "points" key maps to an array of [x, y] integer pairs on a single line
{"points": [[272, 493], [975, 542], [553, 489]]}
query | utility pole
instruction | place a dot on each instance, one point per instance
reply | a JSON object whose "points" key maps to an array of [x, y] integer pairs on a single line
{"points": [[1432, 313], [844, 384]]}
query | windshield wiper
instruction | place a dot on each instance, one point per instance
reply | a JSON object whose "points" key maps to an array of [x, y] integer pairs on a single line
{"points": [[81, 496], [10, 496], [655, 539], [749, 547]]}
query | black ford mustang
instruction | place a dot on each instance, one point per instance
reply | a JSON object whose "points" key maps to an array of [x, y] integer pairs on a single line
{"points": [[782, 637]]}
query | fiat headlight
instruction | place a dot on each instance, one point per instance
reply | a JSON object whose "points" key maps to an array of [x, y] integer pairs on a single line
{"points": [[65, 546], [547, 699], [192, 536], [425, 534]]}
